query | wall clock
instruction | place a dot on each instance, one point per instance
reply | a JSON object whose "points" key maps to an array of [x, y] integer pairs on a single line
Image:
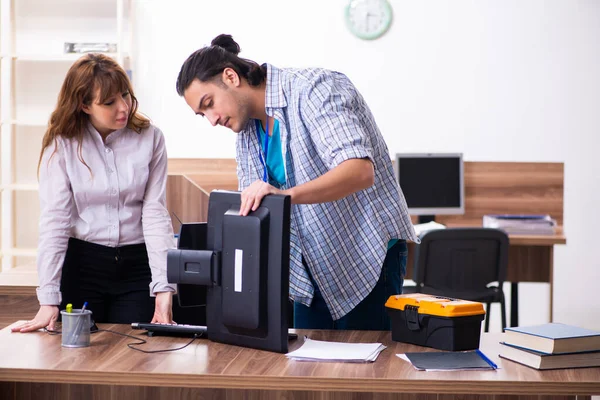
{"points": [[368, 19]]}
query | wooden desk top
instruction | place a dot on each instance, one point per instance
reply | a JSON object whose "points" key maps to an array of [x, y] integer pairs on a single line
{"points": [[38, 357], [212, 181], [537, 240], [522, 240]]}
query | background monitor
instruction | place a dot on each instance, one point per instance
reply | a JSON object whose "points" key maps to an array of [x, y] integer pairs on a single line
{"points": [[243, 264], [432, 183]]}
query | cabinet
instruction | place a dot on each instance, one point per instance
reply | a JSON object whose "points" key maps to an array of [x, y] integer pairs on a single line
{"points": [[32, 68]]}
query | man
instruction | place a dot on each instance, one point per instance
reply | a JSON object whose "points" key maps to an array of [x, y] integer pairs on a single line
{"points": [[309, 134]]}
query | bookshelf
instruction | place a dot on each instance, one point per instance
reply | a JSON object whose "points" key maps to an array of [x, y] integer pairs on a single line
{"points": [[32, 68]]}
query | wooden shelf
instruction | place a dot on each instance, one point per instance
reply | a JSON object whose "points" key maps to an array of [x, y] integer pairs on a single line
{"points": [[37, 124], [28, 187], [23, 269], [21, 280], [19, 252], [65, 57], [32, 35]]}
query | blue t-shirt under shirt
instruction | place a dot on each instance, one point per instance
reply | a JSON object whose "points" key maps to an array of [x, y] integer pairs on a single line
{"points": [[274, 154]]}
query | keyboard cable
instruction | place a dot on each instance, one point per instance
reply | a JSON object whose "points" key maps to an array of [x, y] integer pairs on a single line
{"points": [[139, 342]]}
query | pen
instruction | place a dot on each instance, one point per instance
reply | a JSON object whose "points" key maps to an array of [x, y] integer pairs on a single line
{"points": [[75, 334], [486, 359]]}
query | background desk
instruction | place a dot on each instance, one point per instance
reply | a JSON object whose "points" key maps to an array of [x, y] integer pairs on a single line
{"points": [[490, 188], [36, 366]]}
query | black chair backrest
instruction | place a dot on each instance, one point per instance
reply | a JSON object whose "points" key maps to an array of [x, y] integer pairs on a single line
{"points": [[461, 259]]}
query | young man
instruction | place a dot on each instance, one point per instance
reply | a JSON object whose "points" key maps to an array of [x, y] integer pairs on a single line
{"points": [[309, 134]]}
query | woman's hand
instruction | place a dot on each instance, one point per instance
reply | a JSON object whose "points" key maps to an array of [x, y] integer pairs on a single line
{"points": [[46, 317], [163, 309]]}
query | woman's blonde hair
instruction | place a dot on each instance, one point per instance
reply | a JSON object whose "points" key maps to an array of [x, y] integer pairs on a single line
{"points": [[93, 73]]}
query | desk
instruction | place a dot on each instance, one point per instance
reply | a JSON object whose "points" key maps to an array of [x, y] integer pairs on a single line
{"points": [[530, 259], [36, 366]]}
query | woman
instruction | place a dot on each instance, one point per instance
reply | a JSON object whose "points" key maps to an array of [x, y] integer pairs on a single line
{"points": [[104, 227]]}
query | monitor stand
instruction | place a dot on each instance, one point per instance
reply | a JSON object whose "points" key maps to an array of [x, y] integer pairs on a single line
{"points": [[423, 219]]}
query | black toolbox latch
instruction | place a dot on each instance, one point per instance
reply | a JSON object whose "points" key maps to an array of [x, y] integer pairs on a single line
{"points": [[412, 317]]}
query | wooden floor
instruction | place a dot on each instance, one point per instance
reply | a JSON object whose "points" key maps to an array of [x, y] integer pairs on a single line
{"points": [[17, 307]]}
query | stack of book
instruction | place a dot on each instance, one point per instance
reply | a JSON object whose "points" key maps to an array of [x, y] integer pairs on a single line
{"points": [[521, 224], [551, 346]]}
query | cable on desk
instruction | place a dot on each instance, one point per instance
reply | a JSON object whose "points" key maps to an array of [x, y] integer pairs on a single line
{"points": [[143, 341], [140, 341]]}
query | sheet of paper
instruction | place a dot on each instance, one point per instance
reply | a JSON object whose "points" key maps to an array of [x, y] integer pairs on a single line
{"points": [[427, 226], [317, 350]]}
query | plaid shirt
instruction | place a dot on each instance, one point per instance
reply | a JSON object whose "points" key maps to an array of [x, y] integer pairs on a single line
{"points": [[324, 121]]}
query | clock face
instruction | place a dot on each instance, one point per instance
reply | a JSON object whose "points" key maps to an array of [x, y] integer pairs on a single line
{"points": [[368, 19]]}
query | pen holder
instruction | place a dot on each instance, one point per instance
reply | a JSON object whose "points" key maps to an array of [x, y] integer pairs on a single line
{"points": [[76, 328]]}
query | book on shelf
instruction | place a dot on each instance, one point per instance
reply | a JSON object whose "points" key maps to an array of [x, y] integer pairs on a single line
{"points": [[553, 338], [101, 47], [539, 360], [530, 224]]}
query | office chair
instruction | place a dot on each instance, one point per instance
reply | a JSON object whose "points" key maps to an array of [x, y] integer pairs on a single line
{"points": [[462, 263]]}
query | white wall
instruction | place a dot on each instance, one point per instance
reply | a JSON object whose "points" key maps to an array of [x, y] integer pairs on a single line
{"points": [[497, 80]]}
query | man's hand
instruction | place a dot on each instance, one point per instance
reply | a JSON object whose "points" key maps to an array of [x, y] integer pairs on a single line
{"points": [[253, 195], [163, 309], [46, 317]]}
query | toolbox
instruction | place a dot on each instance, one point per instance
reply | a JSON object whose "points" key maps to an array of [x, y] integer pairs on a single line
{"points": [[433, 321]]}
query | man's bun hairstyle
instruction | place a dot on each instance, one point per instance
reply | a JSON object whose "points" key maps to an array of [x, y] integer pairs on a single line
{"points": [[208, 63]]}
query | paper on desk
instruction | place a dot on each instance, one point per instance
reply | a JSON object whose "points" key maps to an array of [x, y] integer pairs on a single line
{"points": [[318, 350], [427, 226]]}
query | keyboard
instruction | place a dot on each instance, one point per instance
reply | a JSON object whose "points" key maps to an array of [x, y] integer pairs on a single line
{"points": [[171, 329], [181, 330]]}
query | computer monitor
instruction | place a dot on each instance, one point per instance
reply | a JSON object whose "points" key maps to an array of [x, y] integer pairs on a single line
{"points": [[432, 183], [243, 265]]}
